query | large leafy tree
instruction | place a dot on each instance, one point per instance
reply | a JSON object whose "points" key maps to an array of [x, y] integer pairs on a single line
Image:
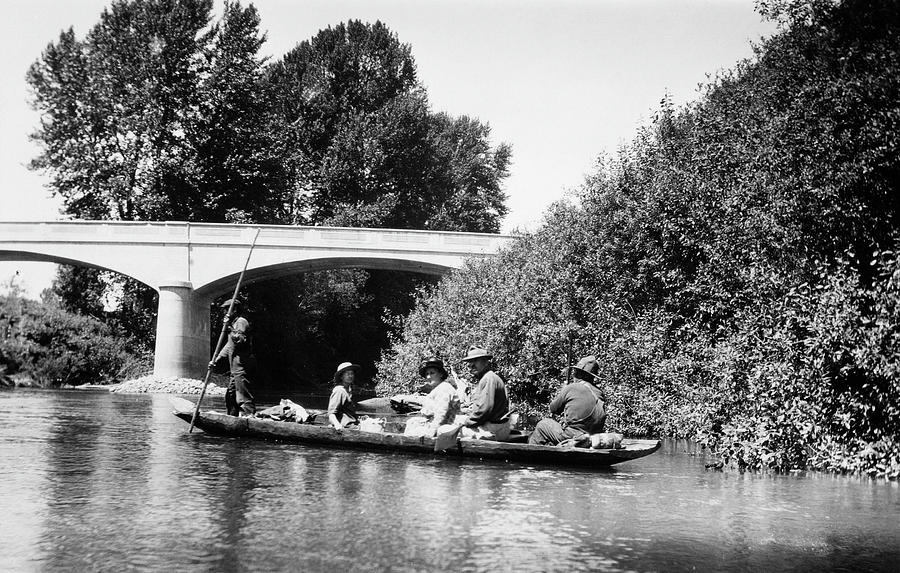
{"points": [[364, 147], [238, 172], [115, 108], [156, 114]]}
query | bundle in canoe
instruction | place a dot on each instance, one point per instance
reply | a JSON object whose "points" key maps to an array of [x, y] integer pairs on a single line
{"points": [[223, 425]]}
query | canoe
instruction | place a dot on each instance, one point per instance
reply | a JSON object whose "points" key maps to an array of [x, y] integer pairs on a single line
{"points": [[219, 424]]}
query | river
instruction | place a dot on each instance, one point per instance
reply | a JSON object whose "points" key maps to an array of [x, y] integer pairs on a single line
{"points": [[93, 481]]}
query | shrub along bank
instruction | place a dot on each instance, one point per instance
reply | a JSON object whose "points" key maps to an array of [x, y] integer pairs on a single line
{"points": [[48, 346], [734, 268]]}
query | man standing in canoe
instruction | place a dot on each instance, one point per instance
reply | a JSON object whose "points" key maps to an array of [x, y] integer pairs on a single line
{"points": [[488, 415], [341, 410], [581, 404], [237, 355]]}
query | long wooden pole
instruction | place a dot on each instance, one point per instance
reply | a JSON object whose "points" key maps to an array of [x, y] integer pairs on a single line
{"points": [[237, 288]]}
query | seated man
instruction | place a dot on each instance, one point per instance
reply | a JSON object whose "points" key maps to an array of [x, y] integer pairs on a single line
{"points": [[341, 409], [581, 404], [488, 415]]}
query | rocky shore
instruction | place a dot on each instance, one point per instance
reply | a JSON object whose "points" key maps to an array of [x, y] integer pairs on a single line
{"points": [[151, 384]]}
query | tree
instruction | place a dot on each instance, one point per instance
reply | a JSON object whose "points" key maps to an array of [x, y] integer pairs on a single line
{"points": [[239, 175], [79, 290], [154, 115], [51, 346], [115, 107], [367, 150], [467, 176]]}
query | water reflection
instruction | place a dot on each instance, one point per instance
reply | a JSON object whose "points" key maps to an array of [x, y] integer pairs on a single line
{"points": [[104, 482]]}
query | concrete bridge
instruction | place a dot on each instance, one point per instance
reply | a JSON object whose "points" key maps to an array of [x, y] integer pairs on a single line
{"points": [[190, 264]]}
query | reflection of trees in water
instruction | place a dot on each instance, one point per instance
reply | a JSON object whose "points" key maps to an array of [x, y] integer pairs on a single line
{"points": [[532, 519], [116, 485], [230, 502], [91, 461]]}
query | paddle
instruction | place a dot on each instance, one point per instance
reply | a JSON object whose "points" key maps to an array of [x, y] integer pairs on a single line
{"points": [[460, 389], [237, 288], [447, 439]]}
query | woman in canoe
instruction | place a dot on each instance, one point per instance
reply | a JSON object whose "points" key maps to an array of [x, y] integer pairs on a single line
{"points": [[341, 410], [440, 406]]}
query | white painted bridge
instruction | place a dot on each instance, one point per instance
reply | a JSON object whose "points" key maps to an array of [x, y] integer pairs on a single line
{"points": [[190, 264]]}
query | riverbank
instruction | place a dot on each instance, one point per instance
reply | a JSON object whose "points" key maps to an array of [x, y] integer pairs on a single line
{"points": [[151, 384]]}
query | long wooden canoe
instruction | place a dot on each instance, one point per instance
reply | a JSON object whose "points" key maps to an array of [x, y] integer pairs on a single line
{"points": [[322, 435]]}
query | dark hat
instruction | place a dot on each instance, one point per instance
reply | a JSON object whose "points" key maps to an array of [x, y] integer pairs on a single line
{"points": [[476, 352], [342, 367], [227, 303], [587, 369], [433, 362]]}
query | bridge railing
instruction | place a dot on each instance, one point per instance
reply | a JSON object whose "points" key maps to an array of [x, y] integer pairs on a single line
{"points": [[208, 234]]}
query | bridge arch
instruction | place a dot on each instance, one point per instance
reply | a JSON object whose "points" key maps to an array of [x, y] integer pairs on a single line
{"points": [[29, 256], [225, 284]]}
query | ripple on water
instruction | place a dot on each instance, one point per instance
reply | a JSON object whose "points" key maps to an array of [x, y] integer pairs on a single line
{"points": [[99, 481]]}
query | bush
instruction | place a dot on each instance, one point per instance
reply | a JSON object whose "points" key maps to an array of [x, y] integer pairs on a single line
{"points": [[719, 266], [55, 347]]}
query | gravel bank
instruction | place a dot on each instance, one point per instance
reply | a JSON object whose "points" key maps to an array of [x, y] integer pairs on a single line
{"points": [[160, 385]]}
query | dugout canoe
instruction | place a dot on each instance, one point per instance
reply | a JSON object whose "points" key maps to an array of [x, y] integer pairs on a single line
{"points": [[219, 424]]}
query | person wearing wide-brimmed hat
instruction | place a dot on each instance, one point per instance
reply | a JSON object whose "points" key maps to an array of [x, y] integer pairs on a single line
{"points": [[488, 415], [341, 409], [440, 406], [237, 355], [581, 404]]}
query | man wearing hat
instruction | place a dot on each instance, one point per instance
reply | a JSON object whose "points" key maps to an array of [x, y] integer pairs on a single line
{"points": [[341, 410], [488, 415], [237, 355], [581, 404]]}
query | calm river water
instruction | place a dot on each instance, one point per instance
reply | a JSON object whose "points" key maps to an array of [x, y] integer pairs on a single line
{"points": [[93, 481]]}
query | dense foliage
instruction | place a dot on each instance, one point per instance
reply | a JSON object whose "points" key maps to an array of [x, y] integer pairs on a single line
{"points": [[46, 345], [154, 115], [160, 113], [733, 267]]}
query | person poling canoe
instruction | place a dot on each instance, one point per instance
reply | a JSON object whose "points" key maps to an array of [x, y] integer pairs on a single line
{"points": [[237, 358], [216, 353]]}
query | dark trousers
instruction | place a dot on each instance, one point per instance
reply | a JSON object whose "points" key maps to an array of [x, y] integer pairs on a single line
{"points": [[549, 432], [238, 398]]}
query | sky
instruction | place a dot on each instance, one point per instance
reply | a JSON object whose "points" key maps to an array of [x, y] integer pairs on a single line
{"points": [[561, 81]]}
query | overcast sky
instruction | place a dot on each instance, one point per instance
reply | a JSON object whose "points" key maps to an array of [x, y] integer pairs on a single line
{"points": [[562, 81]]}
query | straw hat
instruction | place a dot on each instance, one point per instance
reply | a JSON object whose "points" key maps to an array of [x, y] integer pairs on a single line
{"points": [[476, 352], [343, 367]]}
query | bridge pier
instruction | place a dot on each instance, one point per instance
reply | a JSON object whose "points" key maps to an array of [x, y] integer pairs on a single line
{"points": [[182, 332]]}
